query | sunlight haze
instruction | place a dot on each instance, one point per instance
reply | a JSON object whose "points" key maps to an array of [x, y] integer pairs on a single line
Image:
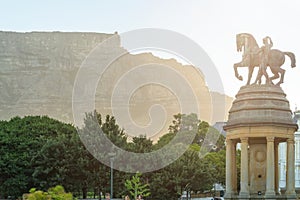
{"points": [[211, 24]]}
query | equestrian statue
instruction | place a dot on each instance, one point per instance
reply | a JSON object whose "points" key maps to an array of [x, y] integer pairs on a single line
{"points": [[262, 57]]}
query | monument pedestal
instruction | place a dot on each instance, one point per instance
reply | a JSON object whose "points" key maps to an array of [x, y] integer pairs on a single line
{"points": [[259, 119]]}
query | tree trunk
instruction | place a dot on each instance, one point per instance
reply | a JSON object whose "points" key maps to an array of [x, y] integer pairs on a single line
{"points": [[84, 192]]}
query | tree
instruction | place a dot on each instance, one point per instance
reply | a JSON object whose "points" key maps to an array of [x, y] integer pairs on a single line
{"points": [[204, 133], [203, 127], [216, 162], [175, 126], [20, 141], [136, 187], [61, 160], [113, 131], [140, 144], [189, 172], [164, 140], [92, 137]]}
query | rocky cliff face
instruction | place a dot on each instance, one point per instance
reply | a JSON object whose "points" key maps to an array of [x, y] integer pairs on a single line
{"points": [[38, 69]]}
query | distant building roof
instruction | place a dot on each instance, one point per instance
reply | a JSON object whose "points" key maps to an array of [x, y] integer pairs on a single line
{"points": [[219, 127]]}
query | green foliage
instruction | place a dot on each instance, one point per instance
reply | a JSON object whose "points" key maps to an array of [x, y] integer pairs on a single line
{"points": [[164, 140], [97, 175], [207, 137], [136, 187], [39, 152], [140, 144], [175, 126], [216, 161], [54, 193], [21, 140], [58, 193], [189, 172], [112, 130], [36, 195]]}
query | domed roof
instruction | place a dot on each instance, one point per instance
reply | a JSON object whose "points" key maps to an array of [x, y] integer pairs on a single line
{"points": [[258, 105]]}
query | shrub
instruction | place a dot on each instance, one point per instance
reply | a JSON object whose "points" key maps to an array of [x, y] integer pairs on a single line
{"points": [[54, 193]]}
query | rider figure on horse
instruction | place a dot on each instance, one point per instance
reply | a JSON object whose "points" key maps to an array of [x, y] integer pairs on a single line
{"points": [[264, 52], [268, 44]]}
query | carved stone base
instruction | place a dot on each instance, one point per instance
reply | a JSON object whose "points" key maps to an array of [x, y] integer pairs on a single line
{"points": [[229, 195], [244, 195], [291, 195], [270, 195]]}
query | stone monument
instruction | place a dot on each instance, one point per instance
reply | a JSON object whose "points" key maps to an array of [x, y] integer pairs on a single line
{"points": [[259, 119]]}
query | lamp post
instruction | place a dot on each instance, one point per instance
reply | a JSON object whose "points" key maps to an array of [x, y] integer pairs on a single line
{"points": [[215, 181], [111, 157], [214, 189]]}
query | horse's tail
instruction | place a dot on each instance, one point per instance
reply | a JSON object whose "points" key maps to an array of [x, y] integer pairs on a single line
{"points": [[292, 57]]}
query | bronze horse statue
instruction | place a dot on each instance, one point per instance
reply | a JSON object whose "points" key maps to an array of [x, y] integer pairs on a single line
{"points": [[252, 58]]}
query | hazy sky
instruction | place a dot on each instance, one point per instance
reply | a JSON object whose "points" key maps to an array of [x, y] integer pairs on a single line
{"points": [[210, 23]]}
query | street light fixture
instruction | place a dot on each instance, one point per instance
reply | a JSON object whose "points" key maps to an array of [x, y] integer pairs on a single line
{"points": [[111, 157], [214, 189]]}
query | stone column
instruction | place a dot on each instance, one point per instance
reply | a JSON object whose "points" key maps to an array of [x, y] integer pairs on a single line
{"points": [[270, 178], [290, 176], [234, 170], [276, 169], [229, 192], [244, 192]]}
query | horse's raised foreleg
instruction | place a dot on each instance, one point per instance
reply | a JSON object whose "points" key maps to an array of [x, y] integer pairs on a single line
{"points": [[235, 66]]}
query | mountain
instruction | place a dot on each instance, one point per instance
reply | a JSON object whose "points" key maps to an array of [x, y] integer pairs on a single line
{"points": [[38, 71]]}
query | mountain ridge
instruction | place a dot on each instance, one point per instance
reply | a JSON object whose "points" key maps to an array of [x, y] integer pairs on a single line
{"points": [[38, 70]]}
